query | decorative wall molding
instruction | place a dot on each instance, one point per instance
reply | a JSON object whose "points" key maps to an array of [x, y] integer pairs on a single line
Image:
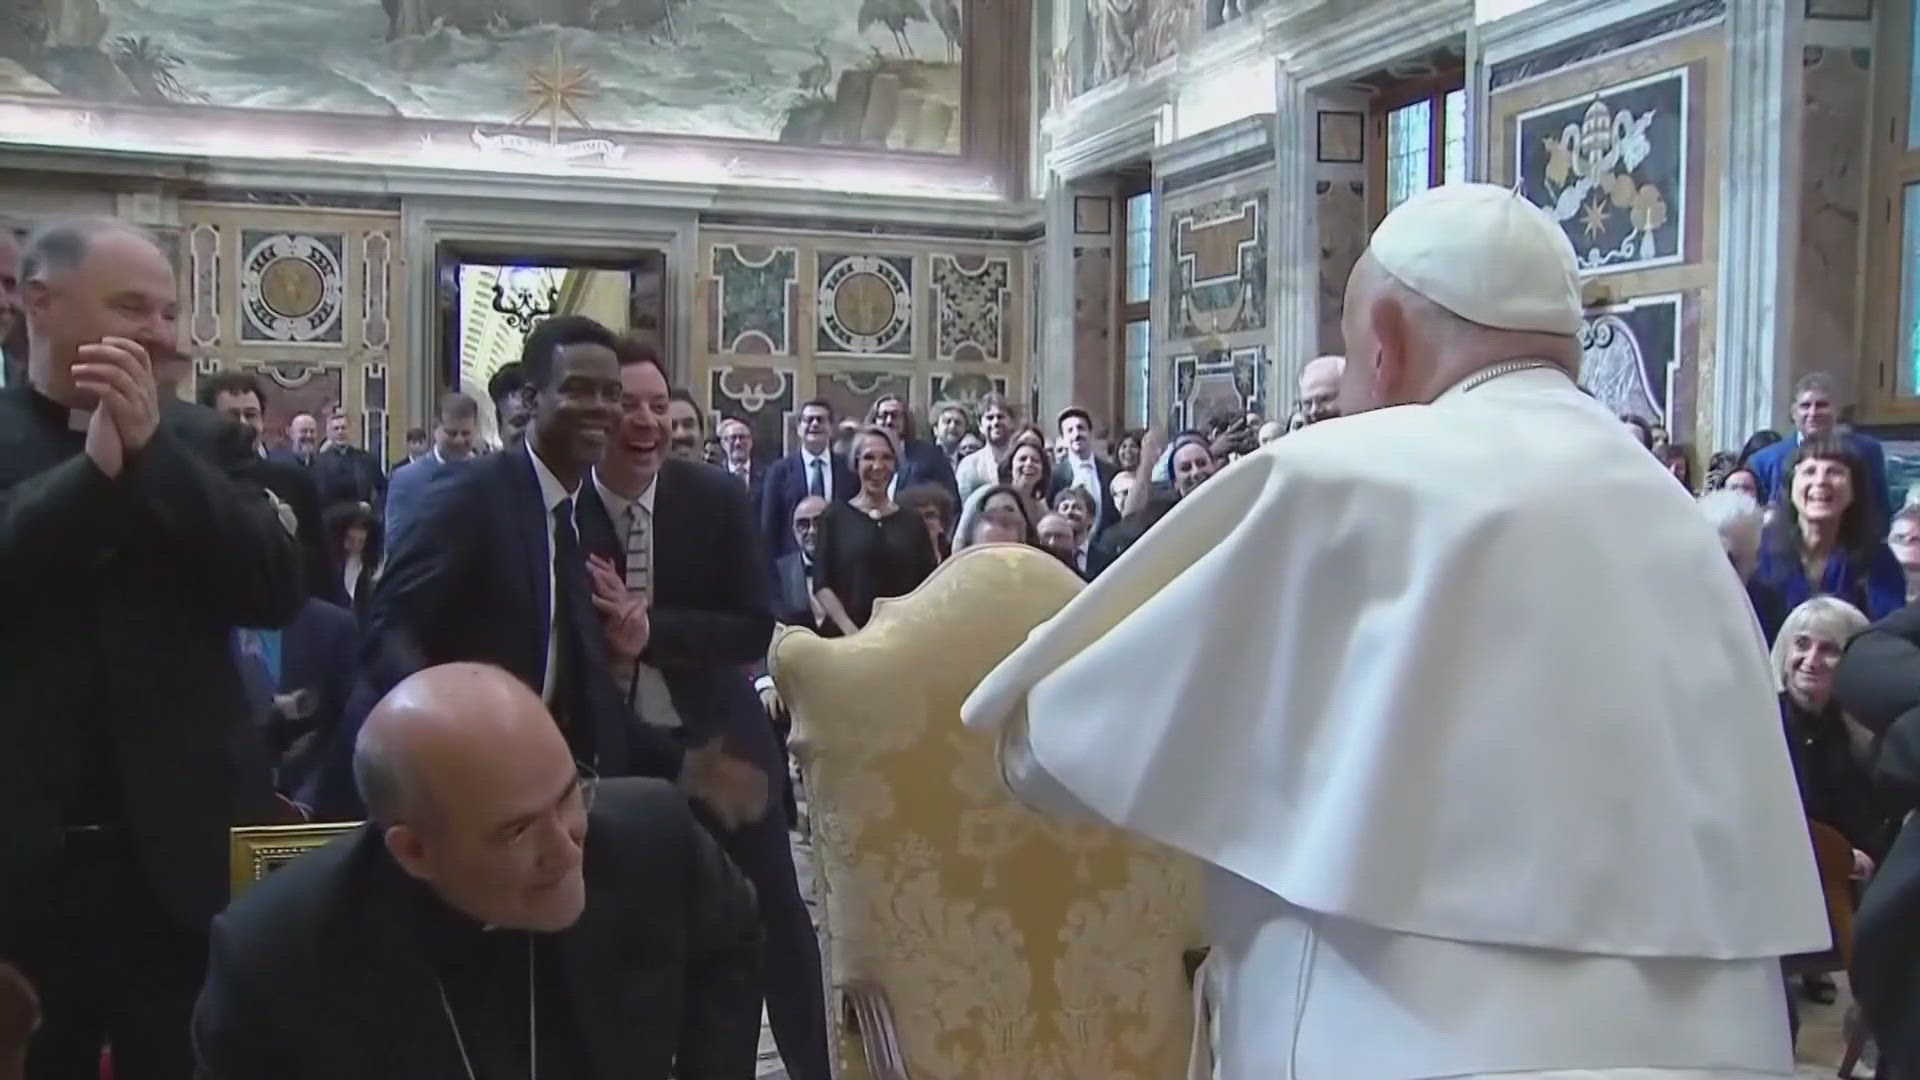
{"points": [[1221, 151], [1759, 215], [569, 228], [1319, 45], [1577, 44]]}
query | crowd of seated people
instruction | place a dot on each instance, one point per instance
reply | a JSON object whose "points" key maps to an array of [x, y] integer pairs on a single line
{"points": [[528, 668]]}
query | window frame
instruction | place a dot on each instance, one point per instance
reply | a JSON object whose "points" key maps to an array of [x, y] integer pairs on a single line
{"points": [[1892, 167], [1121, 406], [1433, 89]]}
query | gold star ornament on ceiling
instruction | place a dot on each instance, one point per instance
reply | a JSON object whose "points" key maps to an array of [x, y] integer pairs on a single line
{"points": [[560, 88]]}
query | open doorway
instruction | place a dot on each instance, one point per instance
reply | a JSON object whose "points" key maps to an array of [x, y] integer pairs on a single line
{"points": [[490, 299]]}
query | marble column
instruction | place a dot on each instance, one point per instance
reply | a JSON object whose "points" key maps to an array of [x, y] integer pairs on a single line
{"points": [[1759, 219], [1295, 261]]}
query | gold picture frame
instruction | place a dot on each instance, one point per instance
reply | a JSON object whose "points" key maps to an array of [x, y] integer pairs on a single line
{"points": [[254, 851]]}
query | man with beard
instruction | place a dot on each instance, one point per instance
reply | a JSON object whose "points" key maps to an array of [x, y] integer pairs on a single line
{"points": [[686, 426], [132, 544], [239, 396], [680, 581], [1450, 775]]}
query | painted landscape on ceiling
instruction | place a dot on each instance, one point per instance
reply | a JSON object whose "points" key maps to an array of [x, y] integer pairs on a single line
{"points": [[871, 73]]}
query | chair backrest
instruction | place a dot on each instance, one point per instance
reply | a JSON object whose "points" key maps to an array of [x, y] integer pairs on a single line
{"points": [[254, 851], [1006, 943], [1834, 857]]}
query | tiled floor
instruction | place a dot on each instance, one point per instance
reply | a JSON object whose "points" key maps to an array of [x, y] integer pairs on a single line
{"points": [[1822, 1040]]}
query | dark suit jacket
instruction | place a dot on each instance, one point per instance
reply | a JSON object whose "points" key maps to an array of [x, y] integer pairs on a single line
{"points": [[711, 616], [1106, 514], [469, 582], [349, 474], [319, 972], [405, 490], [792, 592], [925, 463], [319, 651], [785, 485], [121, 597], [294, 486], [1878, 683]]}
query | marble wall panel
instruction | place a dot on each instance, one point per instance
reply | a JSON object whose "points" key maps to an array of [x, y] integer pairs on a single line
{"points": [[753, 299], [1218, 384], [1217, 267], [853, 392], [1833, 144], [971, 299], [294, 387], [1094, 349], [965, 389], [1342, 206], [864, 305], [761, 395], [1630, 354]]}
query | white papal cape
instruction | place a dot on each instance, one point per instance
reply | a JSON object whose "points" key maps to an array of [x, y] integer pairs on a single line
{"points": [[1469, 715]]}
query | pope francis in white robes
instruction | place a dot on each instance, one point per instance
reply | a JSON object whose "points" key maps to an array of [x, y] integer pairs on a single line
{"points": [[1459, 700]]}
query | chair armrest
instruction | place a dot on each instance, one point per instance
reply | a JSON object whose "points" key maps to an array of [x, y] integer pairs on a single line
{"points": [[872, 1020]]}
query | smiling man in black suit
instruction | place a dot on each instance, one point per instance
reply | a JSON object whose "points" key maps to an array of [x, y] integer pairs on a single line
{"points": [[492, 569], [680, 554], [812, 470]]}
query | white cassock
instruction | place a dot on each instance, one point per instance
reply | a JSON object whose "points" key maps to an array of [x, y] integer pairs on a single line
{"points": [[1468, 714]]}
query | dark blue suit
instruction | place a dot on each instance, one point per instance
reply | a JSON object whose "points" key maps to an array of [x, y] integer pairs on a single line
{"points": [[785, 484], [406, 489], [319, 651], [711, 621], [926, 463], [469, 583]]}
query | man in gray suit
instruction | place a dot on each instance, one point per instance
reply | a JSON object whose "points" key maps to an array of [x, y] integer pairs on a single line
{"points": [[452, 444]]}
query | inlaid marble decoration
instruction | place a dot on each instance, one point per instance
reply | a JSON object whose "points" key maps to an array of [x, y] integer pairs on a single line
{"points": [[1611, 167], [1092, 215], [1343, 236], [376, 328], [966, 390], [758, 394], [373, 411], [970, 299], [1630, 353], [1838, 90], [1218, 383], [1092, 310], [1219, 263], [295, 387], [865, 305], [291, 287], [1342, 137], [203, 284], [852, 393], [753, 299], [1851, 10]]}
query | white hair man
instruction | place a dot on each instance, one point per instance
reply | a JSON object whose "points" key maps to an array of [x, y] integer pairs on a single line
{"points": [[1509, 832], [1320, 389]]}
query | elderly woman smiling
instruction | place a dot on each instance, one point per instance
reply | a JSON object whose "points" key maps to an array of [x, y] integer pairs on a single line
{"points": [[1829, 759]]}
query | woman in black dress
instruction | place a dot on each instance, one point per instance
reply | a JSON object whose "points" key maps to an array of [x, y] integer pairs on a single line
{"points": [[868, 546]]}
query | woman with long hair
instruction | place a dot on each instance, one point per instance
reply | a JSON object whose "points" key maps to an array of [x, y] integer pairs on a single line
{"points": [[869, 546], [1028, 471], [1819, 542], [353, 535]]}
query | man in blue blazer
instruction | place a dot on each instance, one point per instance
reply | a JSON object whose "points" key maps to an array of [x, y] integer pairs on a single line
{"points": [[813, 469], [452, 444], [1815, 416]]}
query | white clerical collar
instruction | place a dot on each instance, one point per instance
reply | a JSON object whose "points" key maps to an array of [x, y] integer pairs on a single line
{"points": [[617, 504], [552, 491]]}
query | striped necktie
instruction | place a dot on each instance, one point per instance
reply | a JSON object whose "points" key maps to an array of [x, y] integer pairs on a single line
{"points": [[647, 692], [639, 550]]}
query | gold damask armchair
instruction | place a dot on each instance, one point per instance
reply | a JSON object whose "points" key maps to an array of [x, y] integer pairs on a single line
{"points": [[966, 936]]}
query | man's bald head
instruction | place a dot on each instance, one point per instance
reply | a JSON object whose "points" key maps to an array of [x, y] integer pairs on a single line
{"points": [[1407, 349], [1320, 388], [478, 795]]}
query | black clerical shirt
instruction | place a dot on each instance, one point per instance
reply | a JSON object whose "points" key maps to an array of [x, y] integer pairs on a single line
{"points": [[484, 976], [88, 775]]}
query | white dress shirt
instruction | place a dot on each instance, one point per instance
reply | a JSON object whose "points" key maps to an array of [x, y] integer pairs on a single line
{"points": [[552, 493], [825, 459], [1086, 474]]}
